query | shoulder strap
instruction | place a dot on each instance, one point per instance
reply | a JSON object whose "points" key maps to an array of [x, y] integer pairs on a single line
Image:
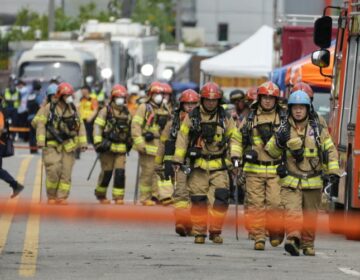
{"points": [[176, 124]]}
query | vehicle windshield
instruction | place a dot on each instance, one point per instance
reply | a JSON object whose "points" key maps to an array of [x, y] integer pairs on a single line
{"points": [[69, 72], [322, 104]]}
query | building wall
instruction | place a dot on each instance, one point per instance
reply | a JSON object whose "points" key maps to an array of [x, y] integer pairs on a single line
{"points": [[71, 7], [243, 17], [304, 7], [11, 7]]}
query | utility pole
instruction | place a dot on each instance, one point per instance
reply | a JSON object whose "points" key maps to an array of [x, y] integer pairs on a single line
{"points": [[51, 18], [275, 12], [178, 25], [127, 8]]}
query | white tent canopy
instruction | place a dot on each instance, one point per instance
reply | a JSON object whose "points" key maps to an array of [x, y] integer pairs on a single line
{"points": [[251, 58]]}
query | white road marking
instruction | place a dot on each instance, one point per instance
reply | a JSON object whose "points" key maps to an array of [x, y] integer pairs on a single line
{"points": [[349, 271]]}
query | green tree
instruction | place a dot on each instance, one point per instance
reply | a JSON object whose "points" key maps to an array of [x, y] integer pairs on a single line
{"points": [[90, 11], [64, 22], [34, 23], [158, 13]]}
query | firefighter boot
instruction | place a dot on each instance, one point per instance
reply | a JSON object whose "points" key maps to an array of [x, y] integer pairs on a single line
{"points": [[61, 201], [216, 238], [276, 239], [51, 201], [119, 200], [104, 201], [16, 190], [199, 239], [180, 229], [309, 251], [292, 246], [259, 245], [148, 202]]}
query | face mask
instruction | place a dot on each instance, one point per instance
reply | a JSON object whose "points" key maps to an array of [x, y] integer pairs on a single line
{"points": [[69, 100], [119, 101], [158, 98], [165, 101]]}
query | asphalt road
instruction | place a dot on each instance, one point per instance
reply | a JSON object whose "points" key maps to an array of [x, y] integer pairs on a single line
{"points": [[49, 248]]}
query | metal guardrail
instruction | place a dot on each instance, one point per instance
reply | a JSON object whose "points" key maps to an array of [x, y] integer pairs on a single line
{"points": [[301, 20]]}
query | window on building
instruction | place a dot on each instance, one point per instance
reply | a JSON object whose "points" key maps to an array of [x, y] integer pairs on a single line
{"points": [[223, 32]]}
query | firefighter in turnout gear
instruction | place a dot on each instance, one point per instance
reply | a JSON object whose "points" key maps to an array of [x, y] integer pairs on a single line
{"points": [[309, 153], [237, 97], [262, 182], [306, 88], [168, 97], [207, 136], [189, 99], [99, 94], [146, 127], [59, 131], [112, 141]]}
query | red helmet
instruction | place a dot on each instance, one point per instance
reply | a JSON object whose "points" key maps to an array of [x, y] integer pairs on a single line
{"points": [[189, 95], [64, 89], [251, 94], [211, 91], [167, 88], [268, 88], [156, 87], [304, 87], [118, 91]]}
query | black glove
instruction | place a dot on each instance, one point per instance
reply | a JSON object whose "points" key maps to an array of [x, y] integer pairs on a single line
{"points": [[148, 136], [103, 147], [334, 181], [282, 136], [168, 169]]}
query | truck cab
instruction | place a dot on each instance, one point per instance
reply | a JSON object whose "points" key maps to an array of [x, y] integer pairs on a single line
{"points": [[345, 112], [54, 59]]}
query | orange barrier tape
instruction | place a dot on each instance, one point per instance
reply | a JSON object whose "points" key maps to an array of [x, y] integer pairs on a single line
{"points": [[20, 147], [349, 224]]}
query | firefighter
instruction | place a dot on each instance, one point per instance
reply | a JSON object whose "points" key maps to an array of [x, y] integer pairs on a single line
{"points": [[251, 96], [309, 153], [250, 99], [237, 97], [189, 99], [50, 92], [88, 109], [59, 131], [306, 88], [50, 97], [99, 94], [4, 137], [207, 136], [112, 141], [262, 182], [168, 99], [146, 127]]}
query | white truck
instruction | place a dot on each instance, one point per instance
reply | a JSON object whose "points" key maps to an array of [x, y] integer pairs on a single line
{"points": [[129, 50], [50, 59]]}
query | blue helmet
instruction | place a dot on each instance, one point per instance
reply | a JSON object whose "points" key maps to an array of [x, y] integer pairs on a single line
{"points": [[51, 90], [299, 97]]}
